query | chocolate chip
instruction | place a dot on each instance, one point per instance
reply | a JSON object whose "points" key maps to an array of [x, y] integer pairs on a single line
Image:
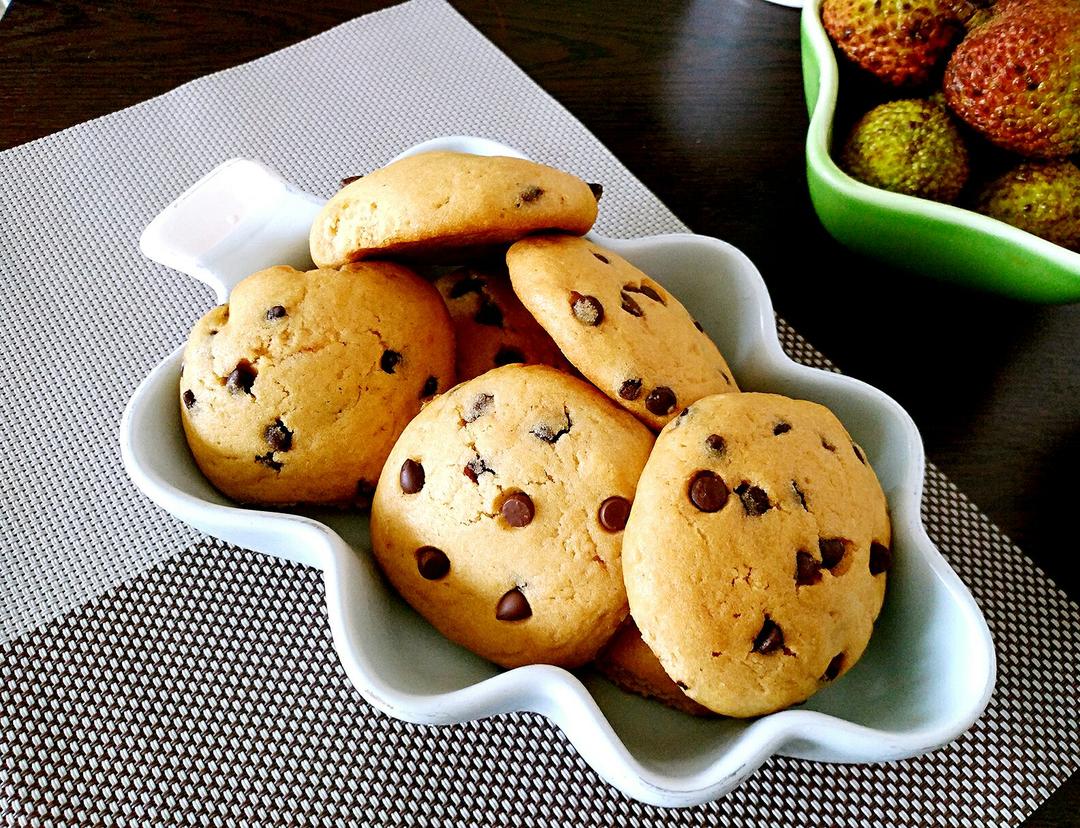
{"points": [[518, 510], [630, 389], [278, 436], [825, 444], [834, 668], [469, 284], [543, 431], [189, 398], [507, 355], [661, 401], [651, 293], [242, 378], [268, 461], [365, 491], [630, 306], [479, 407], [807, 569], [587, 309], [799, 494], [604, 259], [781, 428], [682, 685], [613, 513], [698, 326], [880, 558], [411, 477], [432, 563], [431, 385], [832, 551], [389, 360], [769, 639], [645, 290], [685, 412], [707, 491], [345, 182], [489, 314], [597, 189], [476, 467], [513, 606], [858, 453], [276, 312], [530, 194], [716, 444], [754, 499]]}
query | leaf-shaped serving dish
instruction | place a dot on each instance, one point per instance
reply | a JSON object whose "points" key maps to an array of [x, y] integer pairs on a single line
{"points": [[925, 677]]}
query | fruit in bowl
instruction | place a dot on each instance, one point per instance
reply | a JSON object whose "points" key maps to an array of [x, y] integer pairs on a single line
{"points": [[901, 92]]}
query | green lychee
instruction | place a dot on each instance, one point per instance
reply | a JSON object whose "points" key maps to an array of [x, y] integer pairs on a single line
{"points": [[1040, 197], [909, 146]]}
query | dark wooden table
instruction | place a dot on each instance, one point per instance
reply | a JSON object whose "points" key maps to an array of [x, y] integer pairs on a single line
{"points": [[703, 101]]}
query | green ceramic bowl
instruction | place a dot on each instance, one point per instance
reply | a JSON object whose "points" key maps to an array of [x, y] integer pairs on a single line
{"points": [[915, 234]]}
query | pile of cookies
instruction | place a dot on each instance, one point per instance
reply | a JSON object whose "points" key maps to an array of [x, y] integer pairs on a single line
{"points": [[594, 488]]}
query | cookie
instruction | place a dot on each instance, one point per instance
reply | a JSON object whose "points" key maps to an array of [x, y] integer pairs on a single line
{"points": [[436, 203], [491, 326], [628, 663], [623, 331], [499, 515], [296, 390], [756, 553]]}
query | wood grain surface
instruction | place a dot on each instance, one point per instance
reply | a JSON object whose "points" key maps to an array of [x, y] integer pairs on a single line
{"points": [[703, 101]]}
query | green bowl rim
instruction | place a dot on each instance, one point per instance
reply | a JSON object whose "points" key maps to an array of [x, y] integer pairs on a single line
{"points": [[817, 155]]}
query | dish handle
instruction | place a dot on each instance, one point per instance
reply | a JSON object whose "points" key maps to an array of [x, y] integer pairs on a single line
{"points": [[238, 218]]}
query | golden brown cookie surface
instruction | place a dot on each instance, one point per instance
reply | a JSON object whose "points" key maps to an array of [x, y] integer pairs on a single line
{"points": [[627, 334], [500, 511], [629, 663], [756, 551], [439, 202], [295, 391], [491, 326]]}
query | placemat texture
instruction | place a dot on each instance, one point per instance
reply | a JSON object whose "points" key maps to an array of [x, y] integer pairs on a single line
{"points": [[204, 689]]}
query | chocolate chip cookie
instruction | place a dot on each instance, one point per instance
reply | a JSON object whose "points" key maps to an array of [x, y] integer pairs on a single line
{"points": [[756, 554], [296, 390], [491, 326], [621, 329], [499, 515], [629, 663], [439, 204]]}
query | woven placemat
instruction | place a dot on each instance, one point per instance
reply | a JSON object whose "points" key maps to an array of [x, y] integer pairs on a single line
{"points": [[142, 686]]}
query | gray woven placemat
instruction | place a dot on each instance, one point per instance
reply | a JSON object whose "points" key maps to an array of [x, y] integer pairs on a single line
{"points": [[204, 689]]}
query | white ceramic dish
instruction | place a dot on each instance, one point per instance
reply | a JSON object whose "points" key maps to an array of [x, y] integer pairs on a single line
{"points": [[925, 677]]}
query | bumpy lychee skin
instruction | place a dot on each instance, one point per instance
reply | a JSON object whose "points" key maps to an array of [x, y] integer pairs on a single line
{"points": [[900, 41], [1016, 78], [911, 147], [1042, 197]]}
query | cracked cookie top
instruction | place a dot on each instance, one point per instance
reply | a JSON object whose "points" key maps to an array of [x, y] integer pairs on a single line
{"points": [[295, 391], [499, 514], [756, 552], [442, 203], [620, 328]]}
